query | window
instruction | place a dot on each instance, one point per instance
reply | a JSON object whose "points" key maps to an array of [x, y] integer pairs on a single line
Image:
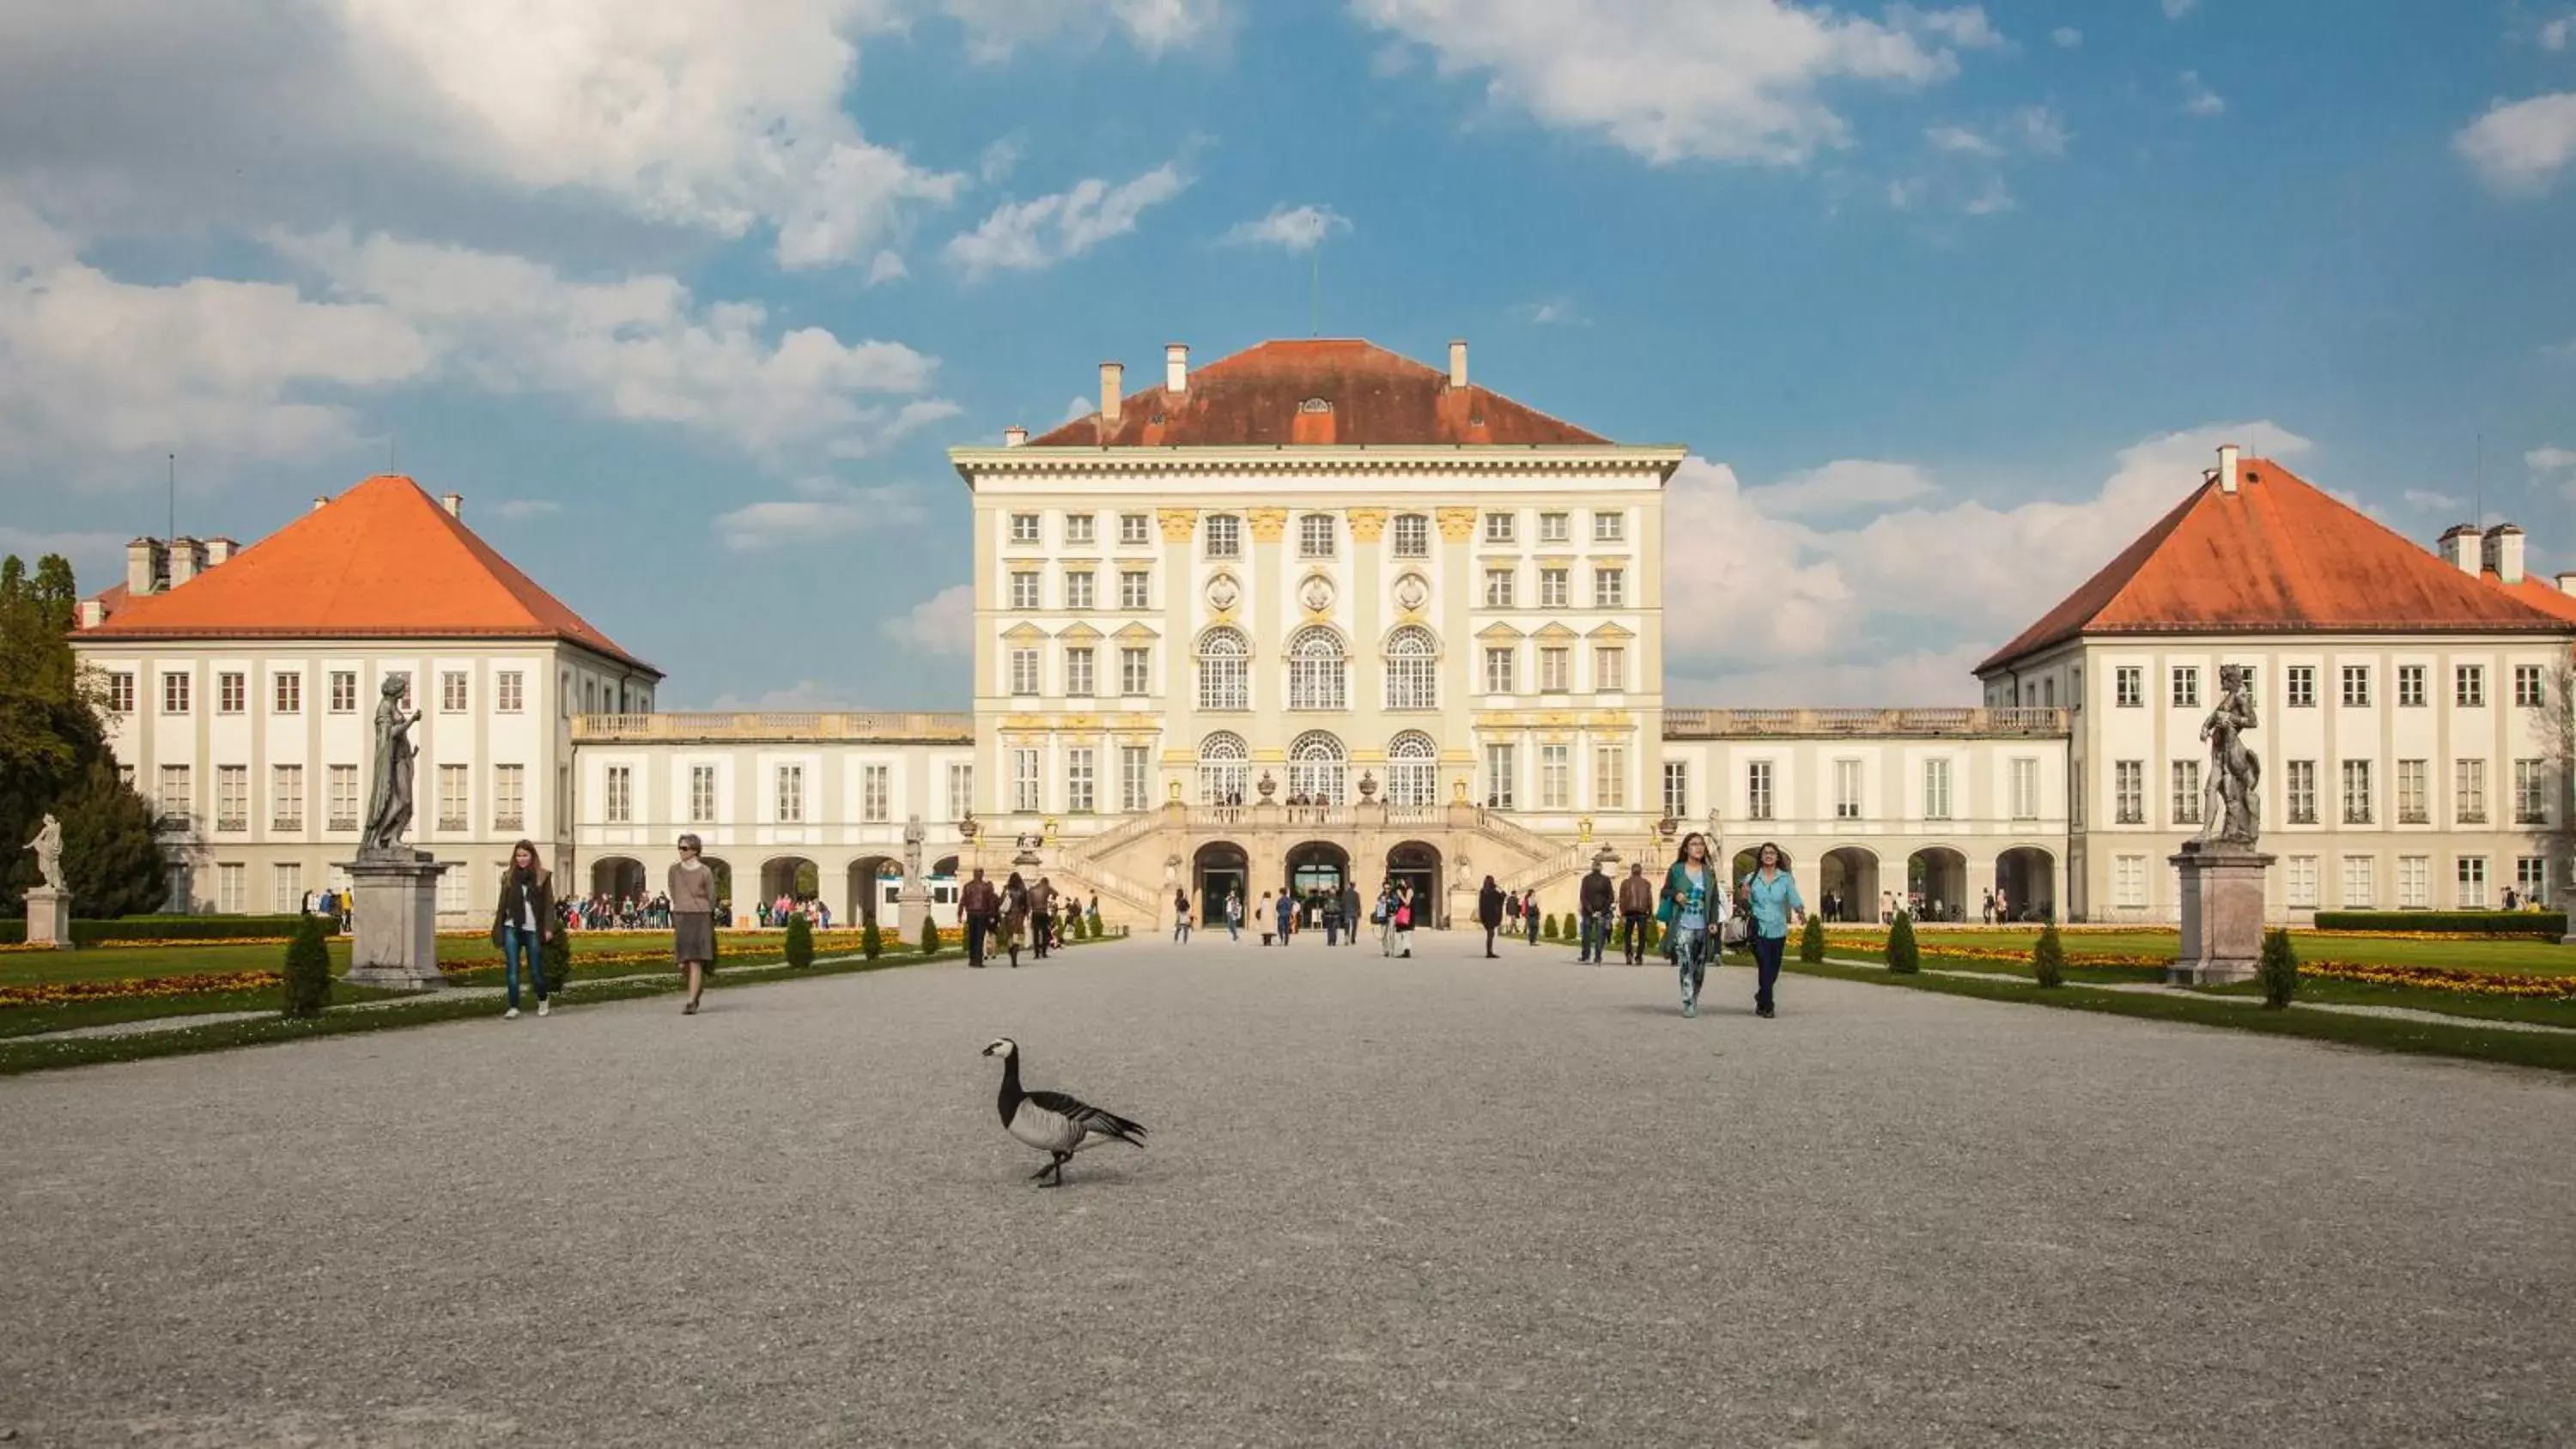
{"points": [[1502, 773], [2356, 792], [2414, 882], [2302, 684], [1757, 790], [2358, 878], [1135, 589], [1677, 789], [1555, 785], [1315, 535], [451, 892], [2531, 878], [1498, 588], [1225, 670], [2300, 874], [2129, 791], [2471, 873], [2186, 792], [2414, 791], [286, 797], [232, 797], [1317, 768], [2048, 692], [120, 691], [1609, 777], [1610, 667], [961, 790], [1224, 536], [1078, 528], [1024, 589], [1609, 527], [1554, 589], [1846, 789], [2356, 686], [2301, 787], [288, 897], [1081, 775], [1498, 668], [2470, 691], [1555, 669], [2186, 686], [451, 692], [702, 794], [451, 797], [1078, 589], [1412, 669], [1412, 770], [1556, 528], [340, 797], [232, 889], [232, 693], [1135, 670], [1024, 781], [1024, 528], [876, 794], [344, 691], [617, 803], [1078, 670], [2530, 804], [2469, 791], [174, 692], [2025, 789], [1609, 588], [1134, 528], [1498, 528], [2129, 880], [509, 797], [1024, 672], [791, 794], [1412, 535], [178, 794], [2129, 686], [1936, 789], [1135, 778], [590, 696], [1318, 670], [510, 691], [2529, 692]]}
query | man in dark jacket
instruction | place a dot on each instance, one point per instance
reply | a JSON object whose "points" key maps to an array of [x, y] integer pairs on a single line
{"points": [[1636, 905], [979, 903], [1350, 914], [1596, 902], [1042, 915], [1489, 913]]}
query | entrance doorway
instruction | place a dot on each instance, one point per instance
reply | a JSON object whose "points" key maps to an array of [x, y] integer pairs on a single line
{"points": [[1318, 867], [1219, 869], [1418, 864]]}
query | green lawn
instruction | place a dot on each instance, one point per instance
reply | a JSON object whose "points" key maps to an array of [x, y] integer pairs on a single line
{"points": [[2519, 956]]}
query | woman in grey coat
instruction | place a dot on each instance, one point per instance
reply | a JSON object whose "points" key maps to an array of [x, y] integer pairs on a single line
{"points": [[693, 919]]}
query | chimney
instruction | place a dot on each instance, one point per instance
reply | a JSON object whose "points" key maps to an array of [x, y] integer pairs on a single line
{"points": [[1457, 363], [2567, 583], [2459, 547], [1176, 368], [187, 560], [454, 503], [144, 560], [318, 501], [91, 613], [2503, 553], [221, 550], [1110, 392], [2227, 467], [1014, 435]]}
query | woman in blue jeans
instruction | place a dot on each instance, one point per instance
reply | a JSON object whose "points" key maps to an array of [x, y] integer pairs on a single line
{"points": [[1693, 907], [522, 922], [1771, 899]]}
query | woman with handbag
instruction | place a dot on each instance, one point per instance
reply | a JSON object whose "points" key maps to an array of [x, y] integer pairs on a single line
{"points": [[1693, 910], [1403, 921], [1015, 916], [1771, 899], [522, 922]]}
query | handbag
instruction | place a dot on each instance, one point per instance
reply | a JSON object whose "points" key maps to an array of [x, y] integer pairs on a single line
{"points": [[1738, 930], [1404, 918]]}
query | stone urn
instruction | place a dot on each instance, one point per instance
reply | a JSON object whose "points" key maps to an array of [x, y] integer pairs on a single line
{"points": [[1666, 826], [1368, 787], [969, 828], [1268, 787]]}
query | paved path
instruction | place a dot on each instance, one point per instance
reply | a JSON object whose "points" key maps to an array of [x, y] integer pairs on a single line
{"points": [[1437, 1202]]}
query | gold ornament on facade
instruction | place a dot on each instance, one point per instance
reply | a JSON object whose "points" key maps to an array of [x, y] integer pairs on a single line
{"points": [[1179, 524], [1366, 524], [1267, 523], [1457, 525]]}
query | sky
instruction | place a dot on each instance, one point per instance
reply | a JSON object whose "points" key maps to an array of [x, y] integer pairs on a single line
{"points": [[689, 299]]}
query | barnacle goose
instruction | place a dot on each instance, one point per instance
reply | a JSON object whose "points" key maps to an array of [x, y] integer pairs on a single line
{"points": [[1054, 1122]]}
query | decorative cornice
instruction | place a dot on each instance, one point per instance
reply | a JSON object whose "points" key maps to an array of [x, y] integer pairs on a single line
{"points": [[1267, 524], [1457, 525], [1179, 524], [1367, 524]]}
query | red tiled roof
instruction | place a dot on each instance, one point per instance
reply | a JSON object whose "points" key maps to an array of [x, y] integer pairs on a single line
{"points": [[1259, 396], [2538, 593], [382, 560], [2279, 555]]}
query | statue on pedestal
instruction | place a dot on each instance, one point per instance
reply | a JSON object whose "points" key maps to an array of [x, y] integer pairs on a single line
{"points": [[913, 836], [389, 797], [2233, 808], [48, 846]]}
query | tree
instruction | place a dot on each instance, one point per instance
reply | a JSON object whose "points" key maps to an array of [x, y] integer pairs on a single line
{"points": [[50, 725], [871, 944], [308, 969], [2555, 725], [929, 937], [1811, 942], [2278, 970], [800, 941], [2048, 958], [555, 959], [112, 862], [1903, 956]]}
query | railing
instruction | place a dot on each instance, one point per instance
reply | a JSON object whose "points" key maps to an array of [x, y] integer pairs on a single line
{"points": [[1218, 817], [1520, 837], [508, 822], [1563, 863], [2014, 720], [796, 726], [1093, 847], [1415, 814], [288, 824]]}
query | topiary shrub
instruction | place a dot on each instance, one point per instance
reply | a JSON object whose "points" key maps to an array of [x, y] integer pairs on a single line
{"points": [[554, 958], [2278, 970], [2048, 958], [308, 970], [800, 942], [1903, 957], [929, 936], [871, 942], [1549, 929], [1811, 942]]}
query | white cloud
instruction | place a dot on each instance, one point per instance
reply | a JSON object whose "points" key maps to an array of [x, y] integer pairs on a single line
{"points": [[887, 267], [1557, 313], [824, 509], [2550, 460], [1079, 407], [2433, 502], [1902, 195], [2039, 130], [1675, 80], [996, 28], [1960, 138], [2197, 98], [1844, 484], [1295, 228], [527, 508], [1996, 197], [2519, 147], [97, 559], [1001, 158], [1033, 235], [944, 623], [2177, 9], [2066, 37], [2554, 35]]}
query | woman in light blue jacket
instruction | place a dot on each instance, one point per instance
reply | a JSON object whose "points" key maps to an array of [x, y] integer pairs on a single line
{"points": [[1771, 899]]}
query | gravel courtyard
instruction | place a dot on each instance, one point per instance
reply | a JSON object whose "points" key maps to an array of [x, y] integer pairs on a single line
{"points": [[1440, 1201]]}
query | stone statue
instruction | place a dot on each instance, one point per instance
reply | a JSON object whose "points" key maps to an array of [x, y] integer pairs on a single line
{"points": [[389, 798], [2232, 810], [48, 846], [913, 836]]}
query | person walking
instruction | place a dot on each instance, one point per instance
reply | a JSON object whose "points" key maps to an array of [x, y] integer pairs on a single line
{"points": [[523, 921], [1330, 907], [1264, 918], [1489, 913], [1350, 914], [1041, 915], [1771, 899], [1287, 909], [1234, 915], [1403, 921], [1015, 915], [692, 888], [980, 904], [1180, 914], [1693, 908], [1596, 899], [1385, 919], [1636, 907]]}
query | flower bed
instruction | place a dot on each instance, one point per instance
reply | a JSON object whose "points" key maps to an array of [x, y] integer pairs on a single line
{"points": [[55, 993], [2423, 978]]}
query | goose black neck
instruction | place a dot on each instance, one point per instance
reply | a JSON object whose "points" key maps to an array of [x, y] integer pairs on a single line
{"points": [[1010, 1083]]}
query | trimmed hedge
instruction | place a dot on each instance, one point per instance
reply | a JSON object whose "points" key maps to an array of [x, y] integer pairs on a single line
{"points": [[2278, 970], [1811, 942], [2048, 958], [165, 928], [800, 942], [2548, 925], [307, 977], [1904, 957]]}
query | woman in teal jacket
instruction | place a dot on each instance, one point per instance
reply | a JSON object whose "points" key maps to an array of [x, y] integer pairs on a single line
{"points": [[1771, 899], [1692, 908]]}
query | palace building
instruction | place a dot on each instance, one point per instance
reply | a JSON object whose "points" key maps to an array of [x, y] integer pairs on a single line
{"points": [[1316, 611]]}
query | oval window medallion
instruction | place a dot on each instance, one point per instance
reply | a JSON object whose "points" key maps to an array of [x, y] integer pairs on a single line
{"points": [[1317, 595], [1222, 592], [1411, 592]]}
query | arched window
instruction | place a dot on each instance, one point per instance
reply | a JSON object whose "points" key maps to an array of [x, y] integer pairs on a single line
{"points": [[1318, 673], [1412, 770], [1225, 670], [1318, 768], [1412, 669], [1225, 766]]}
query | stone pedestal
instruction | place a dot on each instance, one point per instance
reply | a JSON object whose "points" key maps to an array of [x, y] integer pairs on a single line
{"points": [[911, 908], [395, 905], [2222, 914], [49, 917]]}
